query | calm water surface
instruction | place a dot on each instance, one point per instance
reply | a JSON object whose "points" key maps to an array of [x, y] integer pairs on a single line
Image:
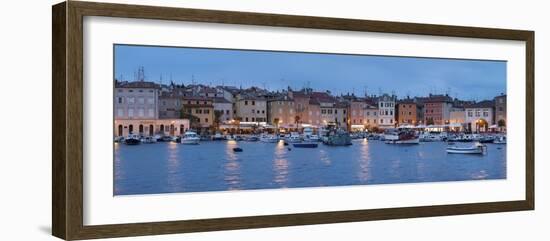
{"points": [[213, 166]]}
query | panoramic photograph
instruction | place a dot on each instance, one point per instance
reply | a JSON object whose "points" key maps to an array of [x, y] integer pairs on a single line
{"points": [[192, 119]]}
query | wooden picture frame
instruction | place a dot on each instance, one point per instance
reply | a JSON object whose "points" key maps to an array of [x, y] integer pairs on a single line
{"points": [[67, 123]]}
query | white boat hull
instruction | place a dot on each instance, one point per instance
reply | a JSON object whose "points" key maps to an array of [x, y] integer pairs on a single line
{"points": [[458, 151], [410, 141], [190, 141]]}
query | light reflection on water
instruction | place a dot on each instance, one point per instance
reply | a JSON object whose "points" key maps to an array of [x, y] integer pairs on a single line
{"points": [[280, 165], [214, 166]]}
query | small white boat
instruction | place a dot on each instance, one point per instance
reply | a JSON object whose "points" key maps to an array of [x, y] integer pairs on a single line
{"points": [[477, 148], [269, 139], [190, 138], [312, 138], [500, 140], [218, 137], [148, 140], [294, 138]]}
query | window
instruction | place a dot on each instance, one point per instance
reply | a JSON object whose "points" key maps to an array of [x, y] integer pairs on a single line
{"points": [[227, 112], [151, 112], [257, 112], [470, 114], [253, 111], [152, 101], [485, 113], [140, 112], [381, 121], [130, 100], [246, 102], [130, 112], [206, 120], [141, 101], [206, 111], [253, 103], [252, 119], [120, 100], [119, 112], [246, 119], [263, 111]]}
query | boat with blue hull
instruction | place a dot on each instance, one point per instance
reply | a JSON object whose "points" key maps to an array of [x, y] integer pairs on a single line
{"points": [[305, 145]]}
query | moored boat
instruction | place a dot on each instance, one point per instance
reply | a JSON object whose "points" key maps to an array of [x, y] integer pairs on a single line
{"points": [[338, 138], [218, 137], [500, 140], [190, 138], [477, 148], [132, 139], [269, 139], [401, 136], [148, 140], [305, 145]]}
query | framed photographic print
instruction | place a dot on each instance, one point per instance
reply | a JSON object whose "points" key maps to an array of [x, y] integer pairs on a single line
{"points": [[171, 120]]}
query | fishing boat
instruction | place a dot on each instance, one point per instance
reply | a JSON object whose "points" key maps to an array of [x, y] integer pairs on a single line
{"points": [[237, 149], [132, 139], [477, 148], [500, 140], [119, 139], [269, 139], [190, 138], [401, 136], [305, 145], [338, 138]]}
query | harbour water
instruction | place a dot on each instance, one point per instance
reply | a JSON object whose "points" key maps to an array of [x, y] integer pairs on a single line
{"points": [[214, 166]]}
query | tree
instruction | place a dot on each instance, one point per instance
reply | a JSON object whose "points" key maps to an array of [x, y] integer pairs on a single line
{"points": [[501, 123]]}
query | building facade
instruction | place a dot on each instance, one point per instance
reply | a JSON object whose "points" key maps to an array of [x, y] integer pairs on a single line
{"points": [[224, 108], [437, 109], [136, 100], [281, 112], [500, 111], [386, 111], [250, 108], [371, 116], [406, 112], [200, 110], [479, 116], [150, 127]]}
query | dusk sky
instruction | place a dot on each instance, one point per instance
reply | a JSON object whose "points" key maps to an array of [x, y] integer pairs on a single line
{"points": [[341, 74]]}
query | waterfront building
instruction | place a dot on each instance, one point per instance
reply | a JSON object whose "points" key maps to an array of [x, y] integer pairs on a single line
{"points": [[479, 116], [341, 114], [301, 105], [371, 116], [356, 114], [327, 108], [225, 109], [314, 113], [281, 112], [200, 111], [170, 106], [457, 119], [500, 112], [250, 107], [136, 100], [406, 112], [150, 127], [437, 109], [386, 110]]}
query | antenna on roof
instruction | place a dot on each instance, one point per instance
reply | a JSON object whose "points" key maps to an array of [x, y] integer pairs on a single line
{"points": [[141, 73]]}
